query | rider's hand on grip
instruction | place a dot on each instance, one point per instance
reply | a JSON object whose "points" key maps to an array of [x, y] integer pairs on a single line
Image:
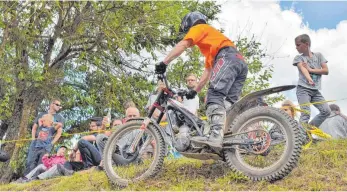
{"points": [[191, 94], [160, 68]]}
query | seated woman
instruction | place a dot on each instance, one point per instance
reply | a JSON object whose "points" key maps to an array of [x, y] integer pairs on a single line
{"points": [[275, 133], [289, 108]]}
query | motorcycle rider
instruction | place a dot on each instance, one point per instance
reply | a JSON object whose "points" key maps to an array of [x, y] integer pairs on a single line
{"points": [[225, 68]]}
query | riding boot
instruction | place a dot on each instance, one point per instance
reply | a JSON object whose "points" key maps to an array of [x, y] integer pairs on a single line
{"points": [[216, 117]]}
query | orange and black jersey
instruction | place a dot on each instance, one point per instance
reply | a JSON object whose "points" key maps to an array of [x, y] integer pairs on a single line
{"points": [[209, 40]]}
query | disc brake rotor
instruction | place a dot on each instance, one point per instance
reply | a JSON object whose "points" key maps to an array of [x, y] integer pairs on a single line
{"points": [[256, 141], [262, 141]]}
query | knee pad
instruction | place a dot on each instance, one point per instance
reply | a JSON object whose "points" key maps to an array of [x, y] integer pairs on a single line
{"points": [[215, 109]]}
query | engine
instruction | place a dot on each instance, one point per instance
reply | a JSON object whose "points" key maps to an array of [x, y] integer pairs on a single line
{"points": [[182, 140]]}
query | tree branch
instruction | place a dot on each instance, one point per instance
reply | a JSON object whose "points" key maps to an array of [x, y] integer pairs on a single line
{"points": [[64, 51], [95, 43], [57, 31], [78, 17], [59, 63]]}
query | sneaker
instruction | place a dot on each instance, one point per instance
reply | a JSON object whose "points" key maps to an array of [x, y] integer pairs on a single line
{"points": [[31, 179], [22, 180]]}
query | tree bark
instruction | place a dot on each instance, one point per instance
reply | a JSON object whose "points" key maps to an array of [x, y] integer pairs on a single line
{"points": [[18, 129]]}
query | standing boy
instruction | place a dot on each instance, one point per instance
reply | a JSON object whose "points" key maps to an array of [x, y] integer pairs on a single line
{"points": [[311, 66]]}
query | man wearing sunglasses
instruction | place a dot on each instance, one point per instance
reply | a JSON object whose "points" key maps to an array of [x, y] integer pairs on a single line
{"points": [[58, 123]]}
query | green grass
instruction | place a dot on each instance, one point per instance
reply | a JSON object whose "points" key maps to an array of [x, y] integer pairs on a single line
{"points": [[321, 167]]}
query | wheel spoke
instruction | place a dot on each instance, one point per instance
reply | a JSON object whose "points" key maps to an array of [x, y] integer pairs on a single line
{"points": [[124, 166], [272, 154], [272, 144]]}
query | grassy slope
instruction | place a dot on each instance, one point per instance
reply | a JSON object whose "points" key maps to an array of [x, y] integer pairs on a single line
{"points": [[322, 167]]}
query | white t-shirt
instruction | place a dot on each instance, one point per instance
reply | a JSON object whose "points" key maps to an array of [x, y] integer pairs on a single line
{"points": [[191, 104]]}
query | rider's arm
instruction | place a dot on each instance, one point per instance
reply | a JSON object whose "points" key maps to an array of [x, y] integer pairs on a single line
{"points": [[178, 50], [203, 79]]}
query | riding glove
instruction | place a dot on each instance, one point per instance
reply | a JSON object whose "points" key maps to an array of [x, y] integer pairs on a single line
{"points": [[160, 68], [191, 94]]}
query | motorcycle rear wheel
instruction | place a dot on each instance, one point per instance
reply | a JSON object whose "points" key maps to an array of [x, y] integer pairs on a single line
{"points": [[241, 161]]}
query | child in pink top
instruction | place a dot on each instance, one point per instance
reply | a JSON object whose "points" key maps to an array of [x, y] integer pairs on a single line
{"points": [[48, 162]]}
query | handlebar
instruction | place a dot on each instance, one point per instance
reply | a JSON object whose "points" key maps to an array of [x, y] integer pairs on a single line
{"points": [[179, 92]]}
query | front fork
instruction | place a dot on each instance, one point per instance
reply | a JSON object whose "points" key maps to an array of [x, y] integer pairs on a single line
{"points": [[139, 136], [145, 123]]}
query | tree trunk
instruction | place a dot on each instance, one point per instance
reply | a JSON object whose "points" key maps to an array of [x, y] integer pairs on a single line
{"points": [[17, 129]]}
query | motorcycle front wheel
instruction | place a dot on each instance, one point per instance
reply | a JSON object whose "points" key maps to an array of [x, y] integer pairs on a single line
{"points": [[123, 166]]}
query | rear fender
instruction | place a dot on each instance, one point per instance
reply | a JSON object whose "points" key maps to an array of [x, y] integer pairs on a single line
{"points": [[240, 105]]}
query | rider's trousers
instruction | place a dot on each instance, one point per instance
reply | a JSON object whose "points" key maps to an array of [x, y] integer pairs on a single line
{"points": [[228, 76]]}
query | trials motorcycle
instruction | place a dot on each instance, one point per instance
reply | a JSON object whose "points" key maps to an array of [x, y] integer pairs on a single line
{"points": [[262, 142]]}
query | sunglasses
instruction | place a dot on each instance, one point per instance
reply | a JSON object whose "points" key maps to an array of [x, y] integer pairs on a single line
{"points": [[59, 105]]}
